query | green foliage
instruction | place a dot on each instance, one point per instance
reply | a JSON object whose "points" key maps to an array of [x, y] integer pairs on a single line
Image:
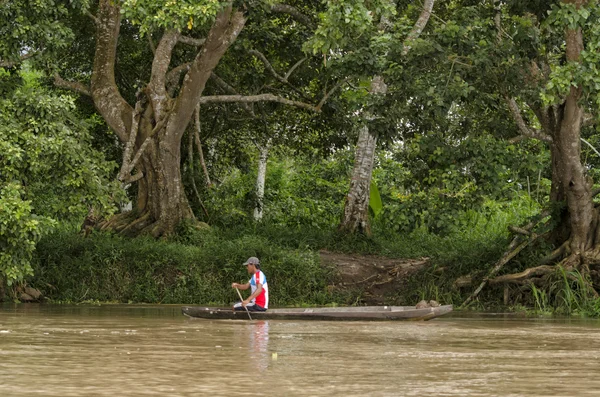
{"points": [[569, 293], [345, 21], [375, 203], [110, 268], [471, 246], [19, 232], [46, 148], [198, 265], [31, 26], [170, 14], [48, 171]]}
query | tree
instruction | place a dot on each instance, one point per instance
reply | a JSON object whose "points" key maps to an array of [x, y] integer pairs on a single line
{"points": [[538, 61], [33, 30], [375, 28], [151, 130], [48, 171]]}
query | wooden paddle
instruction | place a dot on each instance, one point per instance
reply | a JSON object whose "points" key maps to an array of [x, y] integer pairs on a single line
{"points": [[242, 299]]}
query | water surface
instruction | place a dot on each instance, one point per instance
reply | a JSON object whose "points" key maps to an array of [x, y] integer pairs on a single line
{"points": [[124, 350]]}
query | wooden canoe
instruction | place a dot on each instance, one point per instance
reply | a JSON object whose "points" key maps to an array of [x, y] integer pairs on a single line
{"points": [[359, 313]]}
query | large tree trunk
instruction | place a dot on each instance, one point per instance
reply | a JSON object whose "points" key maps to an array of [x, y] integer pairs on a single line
{"points": [[575, 184], [161, 200], [356, 209], [578, 232]]}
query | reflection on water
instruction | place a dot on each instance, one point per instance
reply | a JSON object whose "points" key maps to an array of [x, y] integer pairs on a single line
{"points": [[150, 350], [256, 340]]}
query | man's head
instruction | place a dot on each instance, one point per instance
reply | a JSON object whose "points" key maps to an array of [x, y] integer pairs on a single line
{"points": [[252, 264]]}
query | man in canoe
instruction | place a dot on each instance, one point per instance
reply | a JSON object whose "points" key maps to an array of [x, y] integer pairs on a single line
{"points": [[258, 301]]}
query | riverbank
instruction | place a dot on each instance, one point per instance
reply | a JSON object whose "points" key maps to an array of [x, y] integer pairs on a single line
{"points": [[197, 266], [304, 267]]}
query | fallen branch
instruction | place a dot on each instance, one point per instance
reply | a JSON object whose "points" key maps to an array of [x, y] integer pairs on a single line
{"points": [[519, 230]]}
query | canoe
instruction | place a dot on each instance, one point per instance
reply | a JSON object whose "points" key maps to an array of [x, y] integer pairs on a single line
{"points": [[359, 313]]}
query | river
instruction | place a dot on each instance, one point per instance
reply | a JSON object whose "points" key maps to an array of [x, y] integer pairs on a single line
{"points": [[125, 350]]}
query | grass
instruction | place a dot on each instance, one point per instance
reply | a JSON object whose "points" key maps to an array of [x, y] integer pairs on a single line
{"points": [[200, 269]]}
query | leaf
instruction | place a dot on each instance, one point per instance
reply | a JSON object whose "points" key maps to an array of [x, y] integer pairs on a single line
{"points": [[375, 199]]}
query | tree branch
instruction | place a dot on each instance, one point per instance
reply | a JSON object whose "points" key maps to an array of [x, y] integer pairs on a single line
{"points": [[10, 64], [173, 77], [160, 65], [331, 91], [525, 274], [419, 26], [268, 65], [107, 98], [93, 17], [257, 98], [270, 68], [199, 147], [125, 170], [223, 33], [294, 67], [191, 41], [230, 90], [151, 44], [71, 85], [525, 130], [294, 13], [191, 161]]}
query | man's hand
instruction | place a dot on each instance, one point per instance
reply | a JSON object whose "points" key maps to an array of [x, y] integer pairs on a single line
{"points": [[235, 285], [245, 303]]}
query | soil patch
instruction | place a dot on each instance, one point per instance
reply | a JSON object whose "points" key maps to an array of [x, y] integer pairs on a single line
{"points": [[379, 278]]}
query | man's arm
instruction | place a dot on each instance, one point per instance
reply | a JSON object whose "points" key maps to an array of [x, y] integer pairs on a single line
{"points": [[241, 286], [259, 288]]}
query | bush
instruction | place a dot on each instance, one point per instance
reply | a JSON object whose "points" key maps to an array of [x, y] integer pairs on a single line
{"points": [[106, 267]]}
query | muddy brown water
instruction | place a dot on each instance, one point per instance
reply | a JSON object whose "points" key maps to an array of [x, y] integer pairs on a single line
{"points": [[123, 350]]}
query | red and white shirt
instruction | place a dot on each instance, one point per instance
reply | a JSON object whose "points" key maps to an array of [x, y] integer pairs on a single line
{"points": [[263, 298]]}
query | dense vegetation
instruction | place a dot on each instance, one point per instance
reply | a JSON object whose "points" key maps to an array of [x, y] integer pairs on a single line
{"points": [[190, 135]]}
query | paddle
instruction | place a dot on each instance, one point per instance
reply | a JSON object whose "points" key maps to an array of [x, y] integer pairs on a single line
{"points": [[242, 299]]}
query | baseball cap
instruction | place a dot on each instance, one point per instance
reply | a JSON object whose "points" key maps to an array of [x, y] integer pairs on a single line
{"points": [[252, 261]]}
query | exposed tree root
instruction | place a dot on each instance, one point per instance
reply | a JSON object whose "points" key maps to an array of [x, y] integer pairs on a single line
{"points": [[524, 276], [133, 228], [516, 246], [524, 237]]}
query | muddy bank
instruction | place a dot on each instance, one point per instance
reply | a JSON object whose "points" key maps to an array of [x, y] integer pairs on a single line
{"points": [[379, 279]]}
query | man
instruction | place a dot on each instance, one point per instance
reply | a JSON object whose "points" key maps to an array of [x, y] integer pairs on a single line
{"points": [[258, 301]]}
